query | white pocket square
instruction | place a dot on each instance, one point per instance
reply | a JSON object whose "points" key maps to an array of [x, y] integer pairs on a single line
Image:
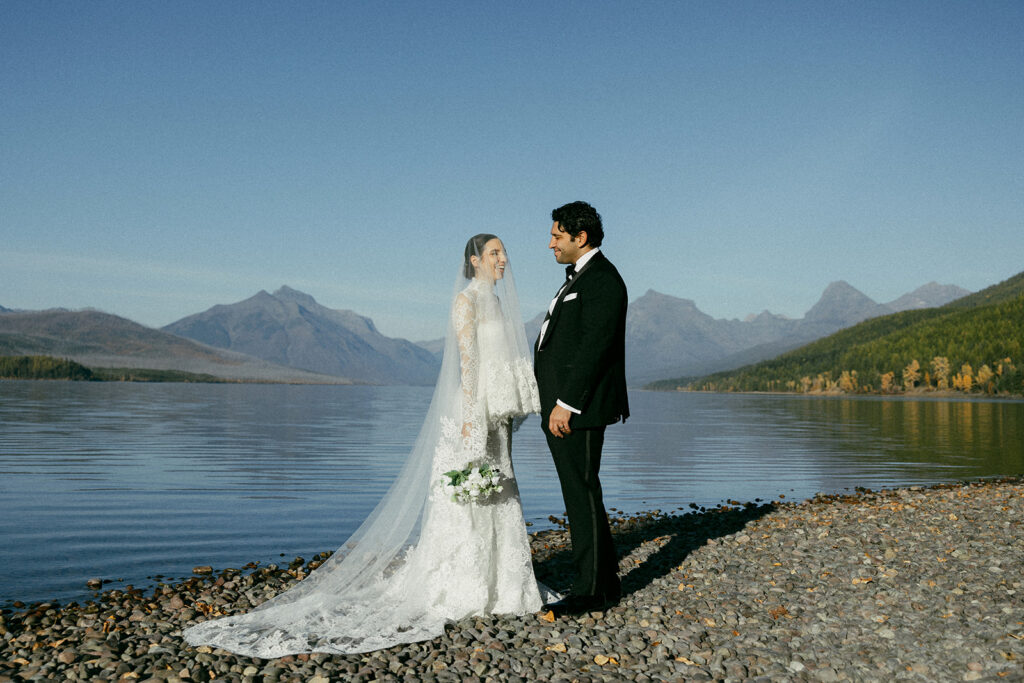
{"points": [[570, 297]]}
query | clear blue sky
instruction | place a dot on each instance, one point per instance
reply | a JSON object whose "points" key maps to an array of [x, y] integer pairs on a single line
{"points": [[157, 158]]}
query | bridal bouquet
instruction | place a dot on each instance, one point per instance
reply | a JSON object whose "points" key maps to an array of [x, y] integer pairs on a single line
{"points": [[471, 484]]}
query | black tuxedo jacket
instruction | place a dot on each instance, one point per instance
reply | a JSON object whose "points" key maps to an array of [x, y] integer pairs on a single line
{"points": [[581, 358]]}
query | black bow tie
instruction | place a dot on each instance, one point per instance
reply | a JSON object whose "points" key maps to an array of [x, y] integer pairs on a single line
{"points": [[569, 270]]}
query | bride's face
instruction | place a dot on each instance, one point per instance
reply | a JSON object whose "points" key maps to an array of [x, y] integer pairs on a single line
{"points": [[492, 261]]}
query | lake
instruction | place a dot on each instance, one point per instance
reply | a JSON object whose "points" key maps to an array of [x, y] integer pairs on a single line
{"points": [[138, 482]]}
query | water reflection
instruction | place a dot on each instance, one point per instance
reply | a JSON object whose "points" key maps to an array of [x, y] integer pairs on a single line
{"points": [[704, 448], [132, 480]]}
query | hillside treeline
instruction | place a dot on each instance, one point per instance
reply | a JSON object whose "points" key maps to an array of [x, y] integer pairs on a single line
{"points": [[954, 348], [47, 367], [42, 367]]}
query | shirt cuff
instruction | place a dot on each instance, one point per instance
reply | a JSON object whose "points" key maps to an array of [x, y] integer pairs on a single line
{"points": [[568, 407]]}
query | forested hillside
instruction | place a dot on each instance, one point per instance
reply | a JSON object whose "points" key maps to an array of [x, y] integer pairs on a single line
{"points": [[42, 367], [970, 345], [1007, 290], [48, 367]]}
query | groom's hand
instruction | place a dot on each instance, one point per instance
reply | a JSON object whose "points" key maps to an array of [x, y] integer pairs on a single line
{"points": [[558, 422]]}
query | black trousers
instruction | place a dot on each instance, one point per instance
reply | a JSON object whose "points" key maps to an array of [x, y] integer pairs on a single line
{"points": [[577, 459]]}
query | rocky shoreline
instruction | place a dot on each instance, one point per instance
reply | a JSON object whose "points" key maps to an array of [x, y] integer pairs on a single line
{"points": [[905, 584]]}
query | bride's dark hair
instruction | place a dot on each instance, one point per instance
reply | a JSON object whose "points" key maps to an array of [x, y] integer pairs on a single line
{"points": [[475, 247]]}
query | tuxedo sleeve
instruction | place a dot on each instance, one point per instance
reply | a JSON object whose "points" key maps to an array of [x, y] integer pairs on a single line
{"points": [[603, 310]]}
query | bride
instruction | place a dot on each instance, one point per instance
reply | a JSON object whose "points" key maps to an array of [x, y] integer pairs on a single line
{"points": [[429, 553]]}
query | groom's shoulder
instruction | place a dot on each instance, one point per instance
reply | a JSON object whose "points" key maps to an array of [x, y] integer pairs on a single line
{"points": [[603, 263], [605, 274]]}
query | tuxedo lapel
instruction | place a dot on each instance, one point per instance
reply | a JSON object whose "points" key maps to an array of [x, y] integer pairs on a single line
{"points": [[566, 290]]}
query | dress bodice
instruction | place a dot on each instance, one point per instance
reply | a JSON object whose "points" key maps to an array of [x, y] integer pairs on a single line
{"points": [[498, 384]]}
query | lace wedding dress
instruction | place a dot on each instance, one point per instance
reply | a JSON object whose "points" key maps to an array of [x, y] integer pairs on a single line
{"points": [[421, 560]]}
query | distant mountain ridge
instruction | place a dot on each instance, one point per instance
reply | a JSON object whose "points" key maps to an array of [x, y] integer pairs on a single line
{"points": [[290, 328], [930, 295], [670, 337], [103, 340], [977, 337], [842, 304], [666, 336]]}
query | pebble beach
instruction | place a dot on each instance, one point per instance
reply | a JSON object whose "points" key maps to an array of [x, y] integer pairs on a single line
{"points": [[919, 584]]}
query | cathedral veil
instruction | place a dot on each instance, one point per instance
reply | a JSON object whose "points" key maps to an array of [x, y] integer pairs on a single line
{"points": [[357, 601]]}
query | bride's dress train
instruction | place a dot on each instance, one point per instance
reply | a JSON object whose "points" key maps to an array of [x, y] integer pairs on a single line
{"points": [[421, 559]]}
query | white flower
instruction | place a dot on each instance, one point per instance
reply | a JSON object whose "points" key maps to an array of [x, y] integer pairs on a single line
{"points": [[473, 483]]}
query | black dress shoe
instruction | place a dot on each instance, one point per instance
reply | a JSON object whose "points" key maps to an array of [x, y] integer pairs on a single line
{"points": [[570, 604], [581, 604]]}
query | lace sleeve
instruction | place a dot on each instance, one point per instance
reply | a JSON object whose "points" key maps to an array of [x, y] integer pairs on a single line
{"points": [[464, 316]]}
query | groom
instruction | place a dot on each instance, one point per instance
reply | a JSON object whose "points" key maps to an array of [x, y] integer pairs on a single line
{"points": [[580, 368]]}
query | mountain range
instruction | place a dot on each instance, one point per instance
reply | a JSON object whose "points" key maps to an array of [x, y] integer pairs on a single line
{"points": [[970, 344], [670, 337], [288, 336], [102, 340], [290, 328]]}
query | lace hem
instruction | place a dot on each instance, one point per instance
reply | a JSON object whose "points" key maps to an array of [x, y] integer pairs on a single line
{"points": [[511, 391]]}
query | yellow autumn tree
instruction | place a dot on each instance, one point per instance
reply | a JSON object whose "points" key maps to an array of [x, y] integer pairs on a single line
{"points": [[911, 375], [964, 379], [848, 381], [940, 369], [886, 382], [985, 376]]}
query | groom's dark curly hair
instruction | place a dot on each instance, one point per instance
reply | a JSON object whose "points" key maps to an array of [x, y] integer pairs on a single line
{"points": [[578, 217]]}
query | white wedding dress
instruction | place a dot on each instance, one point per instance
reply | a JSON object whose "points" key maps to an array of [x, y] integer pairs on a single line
{"points": [[421, 560]]}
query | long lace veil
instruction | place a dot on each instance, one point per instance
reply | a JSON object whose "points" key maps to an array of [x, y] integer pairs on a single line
{"points": [[316, 614]]}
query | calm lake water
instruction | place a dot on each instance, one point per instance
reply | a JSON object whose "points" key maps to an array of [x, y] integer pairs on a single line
{"points": [[134, 482]]}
